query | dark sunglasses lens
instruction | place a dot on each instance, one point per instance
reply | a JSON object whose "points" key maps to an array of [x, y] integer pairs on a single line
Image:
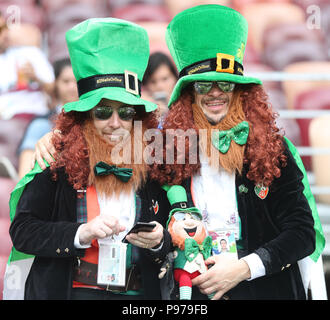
{"points": [[202, 87], [126, 113], [226, 86], [103, 112]]}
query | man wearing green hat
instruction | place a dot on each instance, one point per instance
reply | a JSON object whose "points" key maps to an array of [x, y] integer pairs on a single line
{"points": [[71, 219], [246, 181]]}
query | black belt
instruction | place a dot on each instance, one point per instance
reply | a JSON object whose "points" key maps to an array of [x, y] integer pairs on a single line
{"points": [[86, 273]]}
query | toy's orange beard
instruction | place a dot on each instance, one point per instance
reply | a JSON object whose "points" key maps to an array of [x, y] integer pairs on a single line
{"points": [[178, 240]]}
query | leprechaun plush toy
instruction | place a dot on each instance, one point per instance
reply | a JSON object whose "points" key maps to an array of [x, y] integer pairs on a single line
{"points": [[189, 237]]}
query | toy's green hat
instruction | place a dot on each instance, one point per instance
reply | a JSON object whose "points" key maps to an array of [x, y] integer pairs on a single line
{"points": [[207, 43], [108, 57], [177, 196]]}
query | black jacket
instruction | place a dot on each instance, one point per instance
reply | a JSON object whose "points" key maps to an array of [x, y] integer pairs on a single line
{"points": [[280, 229], [45, 225]]}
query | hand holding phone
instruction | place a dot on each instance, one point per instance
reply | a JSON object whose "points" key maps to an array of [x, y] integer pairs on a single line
{"points": [[140, 226]]}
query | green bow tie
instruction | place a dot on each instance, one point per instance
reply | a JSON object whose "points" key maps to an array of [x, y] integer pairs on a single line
{"points": [[222, 139], [192, 248], [102, 169]]}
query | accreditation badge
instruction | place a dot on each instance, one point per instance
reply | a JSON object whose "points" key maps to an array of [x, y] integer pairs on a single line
{"points": [[224, 242], [112, 263]]}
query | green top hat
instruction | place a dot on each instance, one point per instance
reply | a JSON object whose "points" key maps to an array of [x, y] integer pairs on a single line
{"points": [[108, 57], [207, 43]]}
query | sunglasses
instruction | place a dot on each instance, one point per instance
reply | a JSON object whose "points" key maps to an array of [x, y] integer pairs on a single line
{"points": [[203, 87], [179, 216], [125, 112]]}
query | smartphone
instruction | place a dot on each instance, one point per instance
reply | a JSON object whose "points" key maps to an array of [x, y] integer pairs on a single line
{"points": [[141, 226]]}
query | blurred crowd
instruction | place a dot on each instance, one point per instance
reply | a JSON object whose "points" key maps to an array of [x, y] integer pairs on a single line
{"points": [[36, 77]]}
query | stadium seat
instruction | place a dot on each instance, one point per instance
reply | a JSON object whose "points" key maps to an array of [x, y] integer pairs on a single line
{"points": [[74, 13], [285, 44], [317, 99], [57, 48], [251, 55], [325, 25], [176, 6], [7, 170], [292, 88], [277, 34], [289, 127], [22, 2], [5, 241], [61, 18], [156, 32], [252, 67], [277, 100], [142, 12], [116, 4], [57, 52], [238, 4], [51, 6], [7, 185], [3, 264], [22, 13], [304, 4], [159, 47], [11, 133], [319, 135], [5, 247], [294, 51], [261, 16]]}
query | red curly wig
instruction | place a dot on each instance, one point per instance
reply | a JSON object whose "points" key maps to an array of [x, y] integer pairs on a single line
{"points": [[263, 152], [71, 148], [72, 152]]}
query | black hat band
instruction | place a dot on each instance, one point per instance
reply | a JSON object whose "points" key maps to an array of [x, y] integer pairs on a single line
{"points": [[226, 66], [128, 80]]}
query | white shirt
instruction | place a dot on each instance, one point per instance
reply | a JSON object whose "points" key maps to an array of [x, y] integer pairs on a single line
{"points": [[215, 195], [123, 208]]}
